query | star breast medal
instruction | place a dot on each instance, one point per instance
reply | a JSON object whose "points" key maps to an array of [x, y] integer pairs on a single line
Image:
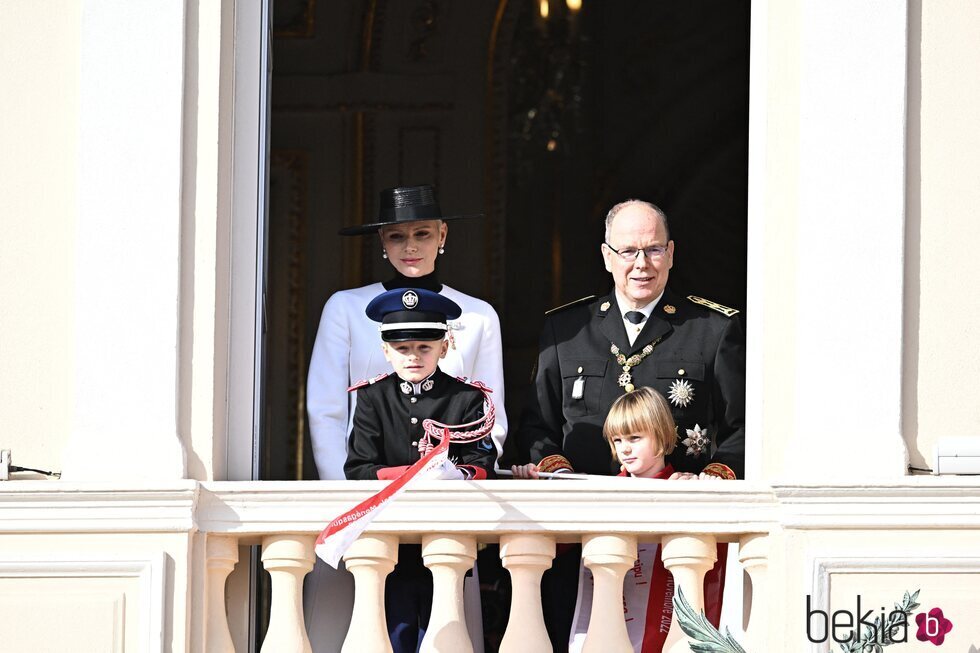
{"points": [[696, 441], [681, 393]]}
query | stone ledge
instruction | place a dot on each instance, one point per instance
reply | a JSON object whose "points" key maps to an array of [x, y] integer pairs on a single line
{"points": [[489, 508]]}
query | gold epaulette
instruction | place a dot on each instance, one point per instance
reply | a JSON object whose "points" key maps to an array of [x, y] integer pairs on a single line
{"points": [[715, 306], [570, 304]]}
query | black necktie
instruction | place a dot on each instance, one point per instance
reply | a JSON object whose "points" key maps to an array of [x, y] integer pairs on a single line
{"points": [[635, 317]]}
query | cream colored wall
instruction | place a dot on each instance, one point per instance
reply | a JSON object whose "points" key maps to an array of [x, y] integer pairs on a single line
{"points": [[115, 271], [39, 105], [942, 361], [68, 577], [88, 610], [826, 239], [206, 236], [880, 566], [770, 389]]}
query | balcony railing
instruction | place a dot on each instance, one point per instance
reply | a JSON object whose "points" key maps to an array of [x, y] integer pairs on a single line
{"points": [[179, 540], [608, 516]]}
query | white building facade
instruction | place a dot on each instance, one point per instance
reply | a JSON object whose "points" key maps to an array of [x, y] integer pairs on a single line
{"points": [[132, 171]]}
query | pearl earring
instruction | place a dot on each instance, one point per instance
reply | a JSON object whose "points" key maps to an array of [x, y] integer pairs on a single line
{"points": [[442, 250], [384, 254]]}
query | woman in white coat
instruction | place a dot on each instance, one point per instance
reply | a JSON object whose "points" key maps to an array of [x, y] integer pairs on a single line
{"points": [[347, 349]]}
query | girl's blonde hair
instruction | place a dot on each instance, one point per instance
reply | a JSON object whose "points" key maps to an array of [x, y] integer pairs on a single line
{"points": [[642, 411]]}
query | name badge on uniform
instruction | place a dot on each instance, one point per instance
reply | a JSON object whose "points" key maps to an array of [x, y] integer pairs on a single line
{"points": [[578, 388]]}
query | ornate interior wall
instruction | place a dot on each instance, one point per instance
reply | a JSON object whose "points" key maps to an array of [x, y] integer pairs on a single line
{"points": [[540, 123]]}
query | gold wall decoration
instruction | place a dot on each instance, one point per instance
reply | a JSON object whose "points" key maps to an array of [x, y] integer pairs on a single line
{"points": [[295, 165]]}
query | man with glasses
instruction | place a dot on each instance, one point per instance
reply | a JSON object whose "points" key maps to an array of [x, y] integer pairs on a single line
{"points": [[690, 349]]}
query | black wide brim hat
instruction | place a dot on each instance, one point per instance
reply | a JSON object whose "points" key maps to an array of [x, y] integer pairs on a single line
{"points": [[402, 205]]}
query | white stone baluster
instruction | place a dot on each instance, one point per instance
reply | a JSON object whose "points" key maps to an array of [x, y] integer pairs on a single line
{"points": [[287, 558], [448, 557], [222, 553], [688, 557], [608, 557], [526, 557], [753, 553], [370, 559]]}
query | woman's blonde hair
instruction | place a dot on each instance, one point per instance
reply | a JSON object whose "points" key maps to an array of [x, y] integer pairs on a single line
{"points": [[642, 411]]}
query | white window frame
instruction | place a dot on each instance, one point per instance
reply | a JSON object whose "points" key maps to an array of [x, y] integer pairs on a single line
{"points": [[253, 71]]}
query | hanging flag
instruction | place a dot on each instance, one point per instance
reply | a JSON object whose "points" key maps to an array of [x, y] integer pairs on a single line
{"points": [[344, 530]]}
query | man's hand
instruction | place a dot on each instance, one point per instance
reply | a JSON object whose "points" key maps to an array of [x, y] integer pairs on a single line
{"points": [[688, 476]]}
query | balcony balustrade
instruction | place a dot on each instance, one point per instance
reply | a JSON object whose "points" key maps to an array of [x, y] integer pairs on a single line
{"points": [[608, 516], [172, 547]]}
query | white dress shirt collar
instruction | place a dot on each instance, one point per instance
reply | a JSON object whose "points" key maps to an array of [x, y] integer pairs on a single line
{"points": [[633, 330]]}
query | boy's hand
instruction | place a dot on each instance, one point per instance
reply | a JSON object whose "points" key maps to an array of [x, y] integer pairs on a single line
{"points": [[529, 470], [683, 476]]}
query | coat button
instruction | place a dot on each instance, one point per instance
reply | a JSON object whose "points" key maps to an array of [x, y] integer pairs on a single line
{"points": [[414, 399], [680, 372], [580, 370], [415, 420], [415, 444]]}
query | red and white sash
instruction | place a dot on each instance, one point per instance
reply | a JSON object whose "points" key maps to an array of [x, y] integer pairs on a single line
{"points": [[648, 595], [342, 531]]}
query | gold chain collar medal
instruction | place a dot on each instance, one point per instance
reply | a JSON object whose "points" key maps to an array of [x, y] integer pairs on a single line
{"points": [[626, 379]]}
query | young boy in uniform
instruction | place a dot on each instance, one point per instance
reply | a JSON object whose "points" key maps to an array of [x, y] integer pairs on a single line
{"points": [[389, 435]]}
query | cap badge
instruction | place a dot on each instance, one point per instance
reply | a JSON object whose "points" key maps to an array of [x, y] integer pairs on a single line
{"points": [[681, 393], [696, 441], [410, 300], [669, 309]]}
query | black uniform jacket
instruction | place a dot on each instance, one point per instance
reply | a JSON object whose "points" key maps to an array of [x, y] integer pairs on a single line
{"points": [[384, 433], [699, 352]]}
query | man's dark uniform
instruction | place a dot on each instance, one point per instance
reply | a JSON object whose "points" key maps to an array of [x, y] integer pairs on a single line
{"points": [[385, 437], [697, 363]]}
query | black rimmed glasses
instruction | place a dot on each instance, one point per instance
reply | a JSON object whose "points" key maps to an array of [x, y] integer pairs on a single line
{"points": [[632, 253]]}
